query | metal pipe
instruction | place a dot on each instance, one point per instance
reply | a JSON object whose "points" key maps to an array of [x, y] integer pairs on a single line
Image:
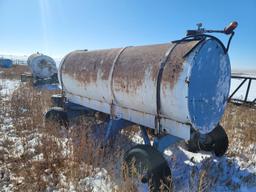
{"points": [[247, 90], [240, 85]]}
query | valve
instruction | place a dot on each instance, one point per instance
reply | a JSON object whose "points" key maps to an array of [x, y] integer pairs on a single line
{"points": [[200, 31]]}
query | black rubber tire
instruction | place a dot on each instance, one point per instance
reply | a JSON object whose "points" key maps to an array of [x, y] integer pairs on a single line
{"points": [[216, 141], [58, 115], [193, 143], [220, 140], [157, 171]]}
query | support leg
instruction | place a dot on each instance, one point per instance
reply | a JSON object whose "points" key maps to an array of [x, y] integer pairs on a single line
{"points": [[113, 128], [144, 135], [165, 141]]}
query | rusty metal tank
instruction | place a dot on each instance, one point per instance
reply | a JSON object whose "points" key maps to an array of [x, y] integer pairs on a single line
{"points": [[174, 86], [42, 66]]}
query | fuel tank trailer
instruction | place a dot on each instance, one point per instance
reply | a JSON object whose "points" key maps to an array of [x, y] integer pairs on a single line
{"points": [[175, 90]]}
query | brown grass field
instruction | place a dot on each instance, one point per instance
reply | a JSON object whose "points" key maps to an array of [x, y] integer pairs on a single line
{"points": [[14, 72], [53, 157]]}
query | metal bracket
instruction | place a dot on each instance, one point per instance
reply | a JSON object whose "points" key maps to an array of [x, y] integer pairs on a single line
{"points": [[113, 127], [161, 143], [144, 135]]}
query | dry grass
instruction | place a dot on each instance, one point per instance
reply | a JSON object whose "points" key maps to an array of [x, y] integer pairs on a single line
{"points": [[14, 72], [62, 157], [240, 125]]}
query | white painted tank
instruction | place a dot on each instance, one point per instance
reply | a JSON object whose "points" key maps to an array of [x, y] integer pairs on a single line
{"points": [[190, 92], [42, 66]]}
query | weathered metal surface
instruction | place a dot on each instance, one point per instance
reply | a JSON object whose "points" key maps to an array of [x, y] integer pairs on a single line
{"points": [[42, 66], [174, 64], [148, 120], [174, 100], [95, 64], [91, 72], [122, 82], [209, 85], [136, 73], [135, 77], [135, 63]]}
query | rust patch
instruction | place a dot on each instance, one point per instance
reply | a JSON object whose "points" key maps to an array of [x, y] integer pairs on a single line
{"points": [[87, 66], [136, 63], [174, 64], [44, 64]]}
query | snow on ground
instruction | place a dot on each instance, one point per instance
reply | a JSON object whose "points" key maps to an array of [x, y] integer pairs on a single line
{"points": [[217, 174], [222, 174], [99, 182], [188, 169], [8, 86]]}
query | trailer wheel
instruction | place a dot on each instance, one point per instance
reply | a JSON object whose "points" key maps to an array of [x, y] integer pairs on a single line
{"points": [[220, 140], [58, 115], [145, 162], [216, 141]]}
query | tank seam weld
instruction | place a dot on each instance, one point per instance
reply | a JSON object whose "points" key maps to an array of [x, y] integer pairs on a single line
{"points": [[158, 86], [113, 98]]}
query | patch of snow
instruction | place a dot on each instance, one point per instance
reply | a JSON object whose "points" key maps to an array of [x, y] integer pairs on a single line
{"points": [[8, 86], [100, 182], [137, 139]]}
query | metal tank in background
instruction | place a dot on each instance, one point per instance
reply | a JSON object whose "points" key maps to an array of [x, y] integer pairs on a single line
{"points": [[42, 66], [43, 69], [175, 91], [6, 63]]}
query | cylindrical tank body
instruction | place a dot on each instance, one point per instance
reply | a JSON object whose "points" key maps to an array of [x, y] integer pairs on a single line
{"points": [[42, 66], [6, 63], [194, 84]]}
